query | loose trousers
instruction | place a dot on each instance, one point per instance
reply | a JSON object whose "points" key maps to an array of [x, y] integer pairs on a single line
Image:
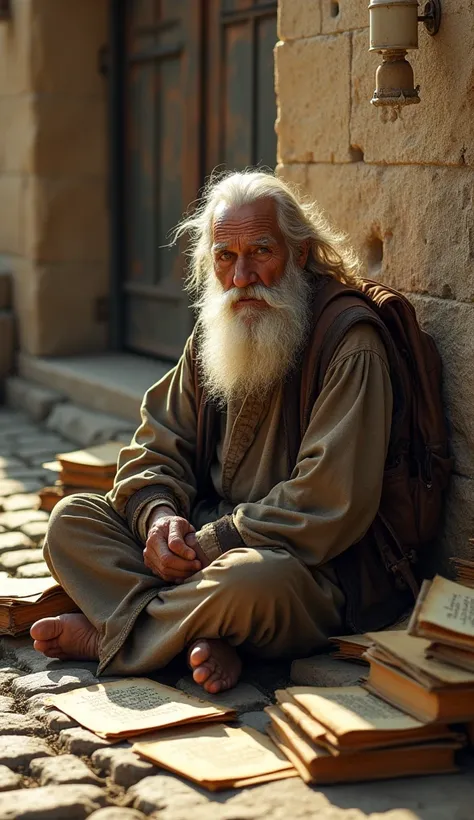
{"points": [[262, 599]]}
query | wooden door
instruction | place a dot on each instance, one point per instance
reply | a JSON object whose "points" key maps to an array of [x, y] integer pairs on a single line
{"points": [[198, 93]]}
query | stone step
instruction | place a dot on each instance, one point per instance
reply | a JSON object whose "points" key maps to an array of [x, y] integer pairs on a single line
{"points": [[111, 383]]}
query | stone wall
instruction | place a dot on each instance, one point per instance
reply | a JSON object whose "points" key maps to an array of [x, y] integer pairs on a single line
{"points": [[53, 161], [403, 189]]}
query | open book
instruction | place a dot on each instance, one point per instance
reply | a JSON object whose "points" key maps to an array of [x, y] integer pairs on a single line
{"points": [[217, 756], [127, 707], [347, 718], [444, 612], [24, 600], [317, 765]]}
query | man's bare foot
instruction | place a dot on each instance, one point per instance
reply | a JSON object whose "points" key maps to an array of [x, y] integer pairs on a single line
{"points": [[215, 664], [69, 636]]}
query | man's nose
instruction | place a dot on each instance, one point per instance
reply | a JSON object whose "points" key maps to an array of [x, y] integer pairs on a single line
{"points": [[243, 273]]}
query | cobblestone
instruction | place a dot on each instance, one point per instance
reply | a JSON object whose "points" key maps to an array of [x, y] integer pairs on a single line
{"points": [[21, 501], [8, 674], [8, 779], [124, 766], [16, 520], [62, 769], [11, 561], [36, 530], [10, 541], [17, 751], [73, 802], [11, 486], [17, 724], [53, 681], [80, 741], [161, 791], [38, 570], [6, 705], [256, 720], [53, 719], [243, 698]]}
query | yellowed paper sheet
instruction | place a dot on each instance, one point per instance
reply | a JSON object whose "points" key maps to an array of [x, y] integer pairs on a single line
{"points": [[100, 455], [26, 589], [449, 606], [350, 708], [409, 652], [214, 753], [134, 705]]}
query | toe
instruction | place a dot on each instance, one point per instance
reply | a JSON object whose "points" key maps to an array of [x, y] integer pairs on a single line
{"points": [[46, 629], [201, 674], [199, 654]]}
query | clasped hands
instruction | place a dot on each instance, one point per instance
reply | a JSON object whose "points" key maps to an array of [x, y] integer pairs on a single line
{"points": [[172, 551]]}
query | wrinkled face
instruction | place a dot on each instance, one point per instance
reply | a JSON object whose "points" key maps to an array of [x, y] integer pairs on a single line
{"points": [[248, 249]]}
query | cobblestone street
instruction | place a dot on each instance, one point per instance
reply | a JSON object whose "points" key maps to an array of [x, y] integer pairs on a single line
{"points": [[52, 769]]}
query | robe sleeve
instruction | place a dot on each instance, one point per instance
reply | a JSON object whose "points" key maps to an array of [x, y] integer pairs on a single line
{"points": [[333, 493], [157, 467]]}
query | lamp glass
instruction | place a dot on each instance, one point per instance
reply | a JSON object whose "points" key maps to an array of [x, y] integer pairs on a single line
{"points": [[393, 25]]}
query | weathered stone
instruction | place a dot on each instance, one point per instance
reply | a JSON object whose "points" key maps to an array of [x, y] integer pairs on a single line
{"points": [[38, 570], [303, 135], [21, 501], [298, 19], [17, 751], [38, 401], [14, 541], [52, 681], [36, 530], [124, 766], [10, 561], [60, 770], [256, 720], [117, 813], [17, 724], [7, 674], [6, 704], [12, 190], [243, 698], [408, 139], [162, 791], [9, 462], [80, 741], [73, 802], [339, 15], [55, 721], [16, 520], [8, 780], [83, 426]]}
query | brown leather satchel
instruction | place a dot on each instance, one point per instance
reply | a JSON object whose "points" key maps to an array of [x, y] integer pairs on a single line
{"points": [[418, 465]]}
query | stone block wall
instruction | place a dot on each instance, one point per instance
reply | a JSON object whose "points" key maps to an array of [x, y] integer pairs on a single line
{"points": [[403, 190], [53, 164]]}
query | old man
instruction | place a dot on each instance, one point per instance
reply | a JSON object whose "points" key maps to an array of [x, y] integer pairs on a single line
{"points": [[221, 537]]}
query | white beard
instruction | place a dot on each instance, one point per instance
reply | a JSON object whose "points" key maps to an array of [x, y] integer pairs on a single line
{"points": [[246, 351]]}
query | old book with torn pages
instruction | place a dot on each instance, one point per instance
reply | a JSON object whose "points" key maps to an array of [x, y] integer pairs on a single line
{"points": [[127, 707], [423, 687], [350, 647], [464, 569], [217, 756], [24, 600], [317, 765], [444, 612], [350, 718]]}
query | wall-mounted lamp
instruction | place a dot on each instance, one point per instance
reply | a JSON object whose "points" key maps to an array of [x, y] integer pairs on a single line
{"points": [[393, 31], [5, 10]]}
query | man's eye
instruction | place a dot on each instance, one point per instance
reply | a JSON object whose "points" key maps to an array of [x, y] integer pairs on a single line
{"points": [[262, 250], [225, 256]]}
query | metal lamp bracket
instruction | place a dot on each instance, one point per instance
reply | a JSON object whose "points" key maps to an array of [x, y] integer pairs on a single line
{"points": [[431, 17]]}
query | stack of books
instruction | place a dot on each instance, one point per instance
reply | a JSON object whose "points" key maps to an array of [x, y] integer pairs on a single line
{"points": [[90, 470], [346, 733], [24, 600], [444, 614], [350, 647], [464, 569]]}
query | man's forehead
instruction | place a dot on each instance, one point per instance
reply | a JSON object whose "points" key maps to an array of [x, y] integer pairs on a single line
{"points": [[254, 220]]}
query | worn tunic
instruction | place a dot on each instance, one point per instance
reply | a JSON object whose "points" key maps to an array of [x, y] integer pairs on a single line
{"points": [[325, 505]]}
